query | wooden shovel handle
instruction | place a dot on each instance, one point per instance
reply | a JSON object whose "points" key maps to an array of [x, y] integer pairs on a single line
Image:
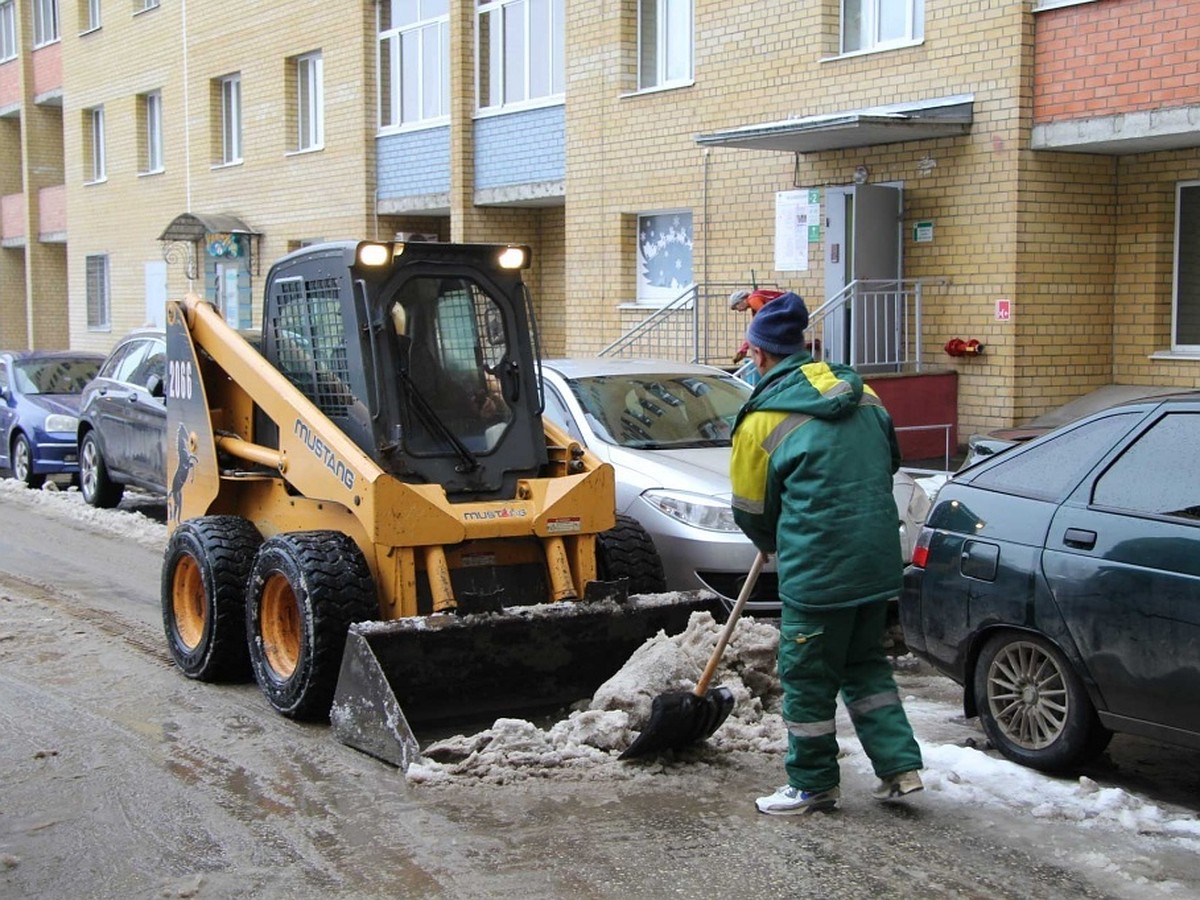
{"points": [[702, 685]]}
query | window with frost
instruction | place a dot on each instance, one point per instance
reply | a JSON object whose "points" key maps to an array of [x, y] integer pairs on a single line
{"points": [[664, 255]]}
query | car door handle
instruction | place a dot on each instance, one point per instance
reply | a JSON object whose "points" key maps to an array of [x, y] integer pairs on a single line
{"points": [[1080, 538]]}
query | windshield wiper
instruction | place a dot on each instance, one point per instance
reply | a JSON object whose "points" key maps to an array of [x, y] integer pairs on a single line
{"points": [[432, 421]]}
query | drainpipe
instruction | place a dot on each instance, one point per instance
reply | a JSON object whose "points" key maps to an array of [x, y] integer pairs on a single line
{"points": [[704, 268], [187, 128]]}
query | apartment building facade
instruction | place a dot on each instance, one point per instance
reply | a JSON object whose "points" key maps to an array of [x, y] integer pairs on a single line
{"points": [[1043, 194]]}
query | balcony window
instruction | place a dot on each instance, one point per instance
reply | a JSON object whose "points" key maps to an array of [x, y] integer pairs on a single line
{"points": [[414, 62], [8, 30], [879, 24], [45, 22], [664, 43], [520, 51]]}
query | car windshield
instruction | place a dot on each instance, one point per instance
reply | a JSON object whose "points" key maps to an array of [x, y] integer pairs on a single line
{"points": [[661, 412], [63, 375]]}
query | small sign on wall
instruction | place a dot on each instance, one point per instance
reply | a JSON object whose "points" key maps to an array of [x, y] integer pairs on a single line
{"points": [[1003, 310], [923, 232]]}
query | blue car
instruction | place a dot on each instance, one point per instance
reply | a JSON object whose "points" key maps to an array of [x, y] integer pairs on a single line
{"points": [[39, 411]]}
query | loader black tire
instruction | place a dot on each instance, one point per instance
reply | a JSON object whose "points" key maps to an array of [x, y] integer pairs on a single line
{"points": [[627, 551], [306, 589], [205, 567]]}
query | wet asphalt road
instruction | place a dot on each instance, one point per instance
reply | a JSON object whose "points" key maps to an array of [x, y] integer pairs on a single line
{"points": [[120, 778]]}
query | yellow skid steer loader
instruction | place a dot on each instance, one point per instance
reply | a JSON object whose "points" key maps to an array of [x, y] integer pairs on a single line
{"points": [[369, 512]]}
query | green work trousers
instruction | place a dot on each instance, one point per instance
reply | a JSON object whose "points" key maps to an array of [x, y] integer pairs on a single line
{"points": [[821, 653]]}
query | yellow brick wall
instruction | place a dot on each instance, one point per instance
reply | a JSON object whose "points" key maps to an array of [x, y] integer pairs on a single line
{"points": [[284, 195]]}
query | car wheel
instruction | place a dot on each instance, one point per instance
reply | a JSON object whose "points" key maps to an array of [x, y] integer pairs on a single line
{"points": [[1032, 704], [627, 551], [204, 575], [22, 463], [305, 591], [95, 485]]}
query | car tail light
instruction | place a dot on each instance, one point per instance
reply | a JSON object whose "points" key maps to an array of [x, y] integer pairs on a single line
{"points": [[920, 554]]}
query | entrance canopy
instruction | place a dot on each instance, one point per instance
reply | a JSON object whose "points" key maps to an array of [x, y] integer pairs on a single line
{"points": [[917, 121], [196, 230]]}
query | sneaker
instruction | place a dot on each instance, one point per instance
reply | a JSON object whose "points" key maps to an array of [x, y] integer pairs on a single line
{"points": [[790, 801], [898, 785]]}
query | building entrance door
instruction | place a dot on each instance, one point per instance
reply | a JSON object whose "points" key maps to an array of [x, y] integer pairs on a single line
{"points": [[863, 240]]}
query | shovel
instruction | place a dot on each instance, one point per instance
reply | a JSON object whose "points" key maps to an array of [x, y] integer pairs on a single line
{"points": [[681, 718]]}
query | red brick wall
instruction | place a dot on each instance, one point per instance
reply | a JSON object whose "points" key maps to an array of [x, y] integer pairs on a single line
{"points": [[1114, 56]]}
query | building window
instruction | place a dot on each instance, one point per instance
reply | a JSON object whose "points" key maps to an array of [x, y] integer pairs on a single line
{"points": [[98, 312], [310, 102], [143, 5], [664, 42], [229, 103], [93, 143], [520, 51], [89, 15], [879, 24], [414, 62], [151, 132], [664, 255], [8, 29], [45, 22], [1185, 313]]}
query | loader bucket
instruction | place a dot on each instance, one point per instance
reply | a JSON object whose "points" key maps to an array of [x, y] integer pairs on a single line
{"points": [[524, 659]]}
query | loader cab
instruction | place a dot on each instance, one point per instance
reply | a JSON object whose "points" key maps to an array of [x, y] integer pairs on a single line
{"points": [[423, 354]]}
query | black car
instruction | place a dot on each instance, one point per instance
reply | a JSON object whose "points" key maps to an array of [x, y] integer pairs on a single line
{"points": [[123, 421], [1059, 583]]}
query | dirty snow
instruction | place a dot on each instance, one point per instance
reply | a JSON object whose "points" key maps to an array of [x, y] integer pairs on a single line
{"points": [[585, 745]]}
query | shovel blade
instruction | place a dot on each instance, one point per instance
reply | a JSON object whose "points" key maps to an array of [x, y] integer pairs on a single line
{"points": [[680, 719]]}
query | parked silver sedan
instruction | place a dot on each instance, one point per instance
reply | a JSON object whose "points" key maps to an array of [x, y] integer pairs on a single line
{"points": [[665, 427]]}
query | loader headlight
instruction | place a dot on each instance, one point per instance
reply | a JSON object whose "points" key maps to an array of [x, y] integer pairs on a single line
{"points": [[513, 258], [374, 254], [58, 423], [696, 510]]}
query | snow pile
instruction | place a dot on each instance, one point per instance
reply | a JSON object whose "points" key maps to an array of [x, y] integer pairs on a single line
{"points": [[68, 504], [587, 743]]}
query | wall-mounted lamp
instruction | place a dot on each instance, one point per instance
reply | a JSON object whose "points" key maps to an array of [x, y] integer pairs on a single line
{"points": [[861, 174]]}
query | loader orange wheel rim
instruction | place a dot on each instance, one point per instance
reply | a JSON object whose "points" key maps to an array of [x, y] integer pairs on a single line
{"points": [[280, 625], [189, 604]]}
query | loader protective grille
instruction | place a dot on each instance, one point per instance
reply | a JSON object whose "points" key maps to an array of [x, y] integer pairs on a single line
{"points": [[310, 342]]}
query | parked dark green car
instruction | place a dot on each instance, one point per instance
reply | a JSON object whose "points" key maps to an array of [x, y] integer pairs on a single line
{"points": [[1059, 583]]}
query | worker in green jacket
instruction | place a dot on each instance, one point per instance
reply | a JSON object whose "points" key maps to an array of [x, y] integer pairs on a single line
{"points": [[814, 452]]}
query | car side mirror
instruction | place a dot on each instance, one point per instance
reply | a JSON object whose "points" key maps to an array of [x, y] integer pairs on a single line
{"points": [[155, 386]]}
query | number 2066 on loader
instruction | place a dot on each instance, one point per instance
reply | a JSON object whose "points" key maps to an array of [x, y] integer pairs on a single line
{"points": [[368, 511]]}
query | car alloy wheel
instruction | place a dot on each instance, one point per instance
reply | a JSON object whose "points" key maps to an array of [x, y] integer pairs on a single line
{"points": [[1032, 704], [22, 463]]}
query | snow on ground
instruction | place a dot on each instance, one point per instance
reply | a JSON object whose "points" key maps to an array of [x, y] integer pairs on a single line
{"points": [[586, 744]]}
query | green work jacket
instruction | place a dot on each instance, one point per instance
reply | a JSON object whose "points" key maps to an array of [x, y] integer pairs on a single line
{"points": [[814, 452]]}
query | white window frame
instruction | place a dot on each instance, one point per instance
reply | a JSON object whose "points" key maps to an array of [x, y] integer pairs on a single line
{"points": [[152, 122], [8, 30], [677, 238], [914, 25], [89, 15], [231, 119], [674, 30], [141, 6], [99, 309], [1188, 251], [310, 102], [45, 23], [426, 35], [512, 59], [97, 157]]}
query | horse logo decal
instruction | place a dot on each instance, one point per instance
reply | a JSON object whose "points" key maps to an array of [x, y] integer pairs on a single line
{"points": [[185, 471]]}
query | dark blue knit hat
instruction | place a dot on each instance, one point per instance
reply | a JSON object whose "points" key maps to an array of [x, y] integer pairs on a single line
{"points": [[779, 326]]}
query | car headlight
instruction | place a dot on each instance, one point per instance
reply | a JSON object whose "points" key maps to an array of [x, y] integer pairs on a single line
{"points": [[696, 510], [57, 422]]}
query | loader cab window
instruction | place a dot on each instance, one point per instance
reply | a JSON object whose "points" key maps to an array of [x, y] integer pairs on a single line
{"points": [[310, 342], [452, 349]]}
